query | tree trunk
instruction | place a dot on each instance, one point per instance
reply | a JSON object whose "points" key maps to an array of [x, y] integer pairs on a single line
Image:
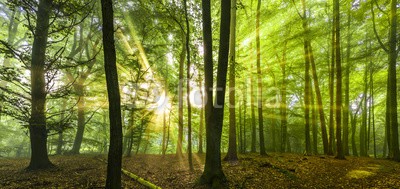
{"points": [[347, 89], [213, 174], [353, 134], [372, 113], [307, 81], [189, 106], [339, 145], [115, 152], [331, 94], [253, 117], [180, 101], [201, 126], [259, 95], [314, 124], [244, 117], [37, 122], [232, 147], [283, 106], [392, 81], [79, 88], [363, 128]]}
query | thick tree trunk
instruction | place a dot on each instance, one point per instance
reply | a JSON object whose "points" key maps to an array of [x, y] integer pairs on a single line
{"points": [[115, 152], [232, 149], [37, 122], [213, 174], [392, 81]]}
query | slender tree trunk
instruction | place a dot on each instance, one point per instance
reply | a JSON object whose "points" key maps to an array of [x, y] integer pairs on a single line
{"points": [[353, 134], [61, 128], [115, 152], [363, 129], [259, 94], [339, 145], [189, 106], [347, 89], [244, 117], [253, 117], [307, 91], [37, 122], [331, 95], [201, 127], [372, 113], [79, 88], [283, 106], [232, 147], [213, 174], [180, 100], [314, 124]]}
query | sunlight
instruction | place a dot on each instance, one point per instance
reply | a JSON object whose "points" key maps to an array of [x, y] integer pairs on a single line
{"points": [[195, 98], [359, 174]]}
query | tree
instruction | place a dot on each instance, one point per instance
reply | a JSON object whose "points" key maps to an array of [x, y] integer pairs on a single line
{"points": [[307, 90], [392, 81], [189, 106], [339, 148], [213, 174], [115, 151], [37, 122], [260, 97], [232, 149]]}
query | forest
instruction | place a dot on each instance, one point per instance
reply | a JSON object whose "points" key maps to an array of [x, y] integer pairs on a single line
{"points": [[199, 94]]}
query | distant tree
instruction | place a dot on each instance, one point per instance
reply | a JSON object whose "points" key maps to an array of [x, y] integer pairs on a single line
{"points": [[115, 151]]}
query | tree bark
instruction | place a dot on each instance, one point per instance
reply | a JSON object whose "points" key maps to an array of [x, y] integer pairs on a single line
{"points": [[189, 106], [201, 126], [260, 97], [392, 81], [338, 108], [307, 81], [180, 100], [232, 147], [346, 108], [213, 174], [37, 122], [115, 152]]}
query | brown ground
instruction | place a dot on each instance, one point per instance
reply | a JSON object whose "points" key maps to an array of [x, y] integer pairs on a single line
{"points": [[252, 171]]}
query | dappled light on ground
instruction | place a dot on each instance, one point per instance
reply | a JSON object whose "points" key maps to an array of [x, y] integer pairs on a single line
{"points": [[169, 171]]}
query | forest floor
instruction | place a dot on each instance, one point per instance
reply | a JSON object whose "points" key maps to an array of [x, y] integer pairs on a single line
{"points": [[251, 171]]}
